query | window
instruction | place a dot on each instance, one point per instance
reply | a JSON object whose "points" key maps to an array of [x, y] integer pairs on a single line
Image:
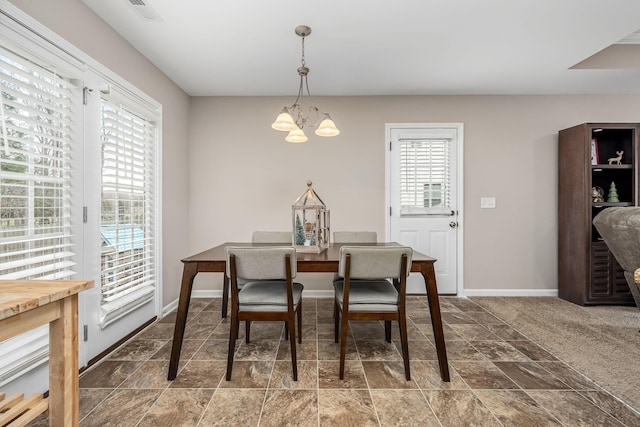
{"points": [[36, 239], [424, 176], [128, 189], [61, 152], [432, 195]]}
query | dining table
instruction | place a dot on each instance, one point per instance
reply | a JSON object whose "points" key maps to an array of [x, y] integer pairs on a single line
{"points": [[214, 260]]}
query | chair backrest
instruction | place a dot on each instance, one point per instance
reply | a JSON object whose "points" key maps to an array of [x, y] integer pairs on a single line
{"points": [[374, 262], [355, 237], [279, 237], [267, 263]]}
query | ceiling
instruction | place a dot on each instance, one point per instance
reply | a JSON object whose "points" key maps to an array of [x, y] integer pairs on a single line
{"points": [[378, 47]]}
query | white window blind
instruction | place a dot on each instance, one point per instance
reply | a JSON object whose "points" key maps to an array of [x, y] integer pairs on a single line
{"points": [[424, 177], [128, 141], [36, 241]]}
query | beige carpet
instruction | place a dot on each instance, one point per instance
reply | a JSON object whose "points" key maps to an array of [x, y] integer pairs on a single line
{"points": [[601, 342]]}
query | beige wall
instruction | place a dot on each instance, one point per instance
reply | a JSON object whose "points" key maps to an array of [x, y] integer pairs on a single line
{"points": [[244, 176], [236, 175], [78, 25]]}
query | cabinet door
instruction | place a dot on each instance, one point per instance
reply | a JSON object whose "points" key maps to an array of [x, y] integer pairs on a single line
{"points": [[608, 284]]}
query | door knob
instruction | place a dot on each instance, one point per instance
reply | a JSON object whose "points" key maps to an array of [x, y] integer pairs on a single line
{"points": [[453, 224]]}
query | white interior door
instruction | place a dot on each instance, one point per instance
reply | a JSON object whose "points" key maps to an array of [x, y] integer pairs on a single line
{"points": [[422, 194]]}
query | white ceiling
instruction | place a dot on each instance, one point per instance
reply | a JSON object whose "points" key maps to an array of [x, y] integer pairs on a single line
{"points": [[381, 47]]}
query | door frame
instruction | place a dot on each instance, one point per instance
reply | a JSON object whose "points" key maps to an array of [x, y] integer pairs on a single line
{"points": [[459, 127]]}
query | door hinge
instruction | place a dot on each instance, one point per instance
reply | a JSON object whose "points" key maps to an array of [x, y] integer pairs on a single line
{"points": [[390, 214], [85, 95], [389, 145], [84, 214], [86, 332]]}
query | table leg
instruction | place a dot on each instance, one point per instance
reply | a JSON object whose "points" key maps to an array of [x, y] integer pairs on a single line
{"points": [[226, 282], [188, 274], [64, 400], [429, 273]]}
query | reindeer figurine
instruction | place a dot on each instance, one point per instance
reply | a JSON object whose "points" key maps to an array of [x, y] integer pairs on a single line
{"points": [[616, 160]]}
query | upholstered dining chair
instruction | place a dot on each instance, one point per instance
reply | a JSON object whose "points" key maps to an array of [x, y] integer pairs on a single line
{"points": [[379, 293], [269, 293], [279, 237], [355, 237], [275, 237]]}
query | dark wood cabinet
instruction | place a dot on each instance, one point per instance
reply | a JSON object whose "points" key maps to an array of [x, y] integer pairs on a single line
{"points": [[588, 274]]}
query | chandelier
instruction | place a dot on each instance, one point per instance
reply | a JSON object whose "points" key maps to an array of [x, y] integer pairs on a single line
{"points": [[303, 112]]}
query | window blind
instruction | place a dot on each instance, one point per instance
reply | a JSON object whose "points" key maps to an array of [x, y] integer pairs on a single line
{"points": [[36, 241], [424, 176], [128, 192]]}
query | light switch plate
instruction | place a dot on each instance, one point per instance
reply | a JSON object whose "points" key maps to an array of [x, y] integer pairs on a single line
{"points": [[487, 202]]}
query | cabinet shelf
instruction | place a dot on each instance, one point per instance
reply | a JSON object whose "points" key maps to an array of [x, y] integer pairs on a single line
{"points": [[596, 168], [609, 205]]}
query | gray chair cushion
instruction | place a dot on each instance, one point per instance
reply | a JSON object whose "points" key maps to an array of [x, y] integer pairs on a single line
{"points": [[268, 295], [368, 295], [353, 237], [261, 263], [374, 262], [277, 237]]}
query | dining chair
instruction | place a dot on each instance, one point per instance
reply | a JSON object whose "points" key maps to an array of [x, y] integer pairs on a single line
{"points": [[275, 237], [379, 293], [355, 237], [279, 237], [269, 293]]}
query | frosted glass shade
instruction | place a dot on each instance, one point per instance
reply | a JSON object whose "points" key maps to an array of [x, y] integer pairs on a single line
{"points": [[296, 135], [284, 122], [327, 127]]}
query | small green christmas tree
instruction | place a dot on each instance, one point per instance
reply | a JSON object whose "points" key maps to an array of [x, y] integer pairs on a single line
{"points": [[299, 231], [612, 197]]}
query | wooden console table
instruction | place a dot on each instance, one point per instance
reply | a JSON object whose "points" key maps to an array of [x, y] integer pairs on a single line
{"points": [[24, 305]]}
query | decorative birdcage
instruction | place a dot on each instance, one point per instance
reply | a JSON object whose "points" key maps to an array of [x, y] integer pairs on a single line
{"points": [[310, 222]]}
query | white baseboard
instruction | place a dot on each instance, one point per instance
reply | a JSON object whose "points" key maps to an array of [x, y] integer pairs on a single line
{"points": [[318, 294], [510, 293], [206, 294], [218, 294], [307, 294], [173, 305], [329, 294]]}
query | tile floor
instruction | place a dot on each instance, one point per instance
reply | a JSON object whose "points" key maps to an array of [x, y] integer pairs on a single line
{"points": [[498, 376]]}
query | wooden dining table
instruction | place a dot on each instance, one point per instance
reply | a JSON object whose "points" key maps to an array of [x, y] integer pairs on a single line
{"points": [[213, 260]]}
